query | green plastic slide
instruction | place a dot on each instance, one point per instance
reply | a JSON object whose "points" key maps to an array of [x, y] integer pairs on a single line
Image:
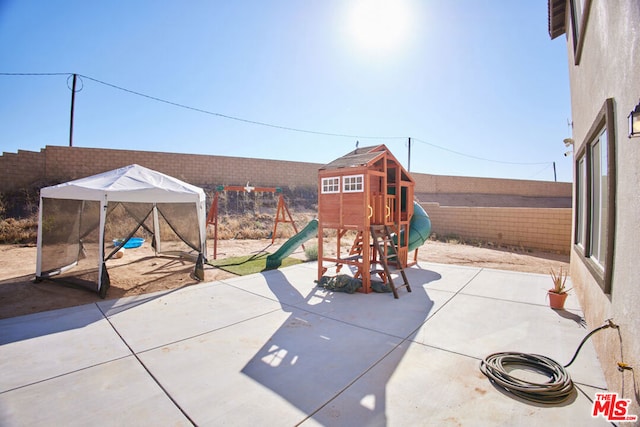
{"points": [[309, 231], [419, 228]]}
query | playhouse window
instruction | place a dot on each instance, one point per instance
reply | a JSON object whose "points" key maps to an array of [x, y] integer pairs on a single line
{"points": [[331, 185], [353, 184]]}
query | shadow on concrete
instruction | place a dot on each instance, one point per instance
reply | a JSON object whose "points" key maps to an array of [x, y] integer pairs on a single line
{"points": [[321, 350]]}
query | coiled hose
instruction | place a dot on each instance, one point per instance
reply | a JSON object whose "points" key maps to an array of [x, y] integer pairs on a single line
{"points": [[556, 390]]}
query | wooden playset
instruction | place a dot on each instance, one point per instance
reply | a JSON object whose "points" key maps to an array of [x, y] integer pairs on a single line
{"points": [[282, 212], [367, 191]]}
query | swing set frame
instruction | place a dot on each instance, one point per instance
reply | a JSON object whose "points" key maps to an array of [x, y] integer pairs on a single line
{"points": [[282, 212]]}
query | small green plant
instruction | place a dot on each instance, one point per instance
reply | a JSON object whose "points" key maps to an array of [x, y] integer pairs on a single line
{"points": [[559, 281], [311, 252]]}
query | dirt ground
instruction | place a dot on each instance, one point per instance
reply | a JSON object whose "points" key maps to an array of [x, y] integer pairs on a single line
{"points": [[140, 272]]}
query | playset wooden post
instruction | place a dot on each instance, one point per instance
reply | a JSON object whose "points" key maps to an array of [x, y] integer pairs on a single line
{"points": [[282, 211]]}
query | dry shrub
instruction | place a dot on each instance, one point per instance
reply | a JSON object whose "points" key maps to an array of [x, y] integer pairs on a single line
{"points": [[19, 231], [311, 253], [246, 226], [256, 226]]}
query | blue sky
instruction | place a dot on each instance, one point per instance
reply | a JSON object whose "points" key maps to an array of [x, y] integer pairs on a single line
{"points": [[468, 80]]}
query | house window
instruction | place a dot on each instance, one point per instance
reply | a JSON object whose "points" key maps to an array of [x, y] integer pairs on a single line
{"points": [[353, 183], [599, 203], [577, 11], [595, 197], [581, 197], [331, 185], [579, 18]]}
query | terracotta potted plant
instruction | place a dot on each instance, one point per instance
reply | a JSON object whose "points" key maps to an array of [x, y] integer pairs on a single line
{"points": [[558, 294]]}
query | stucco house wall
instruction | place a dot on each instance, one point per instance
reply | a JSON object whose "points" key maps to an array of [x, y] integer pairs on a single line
{"points": [[604, 73]]}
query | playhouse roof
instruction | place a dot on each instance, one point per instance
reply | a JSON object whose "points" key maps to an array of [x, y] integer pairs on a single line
{"points": [[362, 156], [365, 157]]}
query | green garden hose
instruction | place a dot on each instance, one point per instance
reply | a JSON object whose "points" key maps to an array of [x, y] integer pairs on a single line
{"points": [[556, 390]]}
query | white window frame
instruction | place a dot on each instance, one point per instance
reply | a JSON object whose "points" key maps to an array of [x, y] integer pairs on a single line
{"points": [[330, 185], [353, 183]]}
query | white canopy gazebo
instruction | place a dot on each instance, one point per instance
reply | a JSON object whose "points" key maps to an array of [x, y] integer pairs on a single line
{"points": [[76, 216]]}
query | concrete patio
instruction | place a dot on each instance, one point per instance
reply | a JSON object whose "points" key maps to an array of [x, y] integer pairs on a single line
{"points": [[272, 349]]}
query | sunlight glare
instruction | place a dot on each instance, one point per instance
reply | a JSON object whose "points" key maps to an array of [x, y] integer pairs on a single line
{"points": [[369, 402], [380, 25], [274, 356]]}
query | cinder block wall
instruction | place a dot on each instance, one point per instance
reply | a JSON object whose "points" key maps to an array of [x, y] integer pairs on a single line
{"points": [[534, 228], [21, 169], [59, 164], [65, 163], [545, 229], [439, 184]]}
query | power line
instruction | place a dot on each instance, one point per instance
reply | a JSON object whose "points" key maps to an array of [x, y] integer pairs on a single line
{"points": [[239, 119], [35, 74], [271, 125], [476, 157], [541, 170], [200, 110]]}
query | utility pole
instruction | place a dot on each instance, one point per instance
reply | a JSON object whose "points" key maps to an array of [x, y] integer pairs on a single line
{"points": [[555, 178], [73, 101], [409, 159]]}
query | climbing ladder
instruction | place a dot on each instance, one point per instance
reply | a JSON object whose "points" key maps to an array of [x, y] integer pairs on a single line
{"points": [[358, 242], [388, 253]]}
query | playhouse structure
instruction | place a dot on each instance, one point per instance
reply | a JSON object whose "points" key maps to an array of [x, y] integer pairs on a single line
{"points": [[368, 192]]}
